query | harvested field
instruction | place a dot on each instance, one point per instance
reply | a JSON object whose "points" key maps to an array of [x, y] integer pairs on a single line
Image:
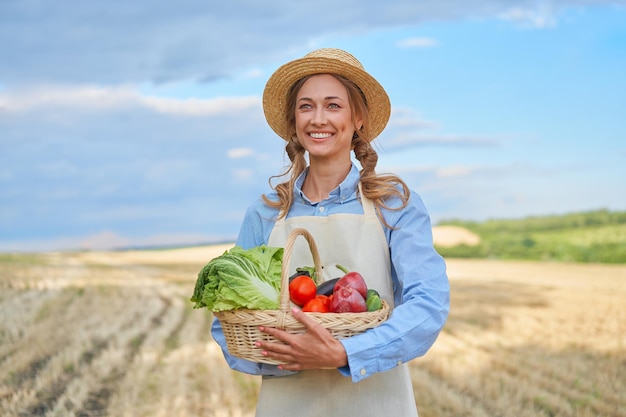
{"points": [[113, 334]]}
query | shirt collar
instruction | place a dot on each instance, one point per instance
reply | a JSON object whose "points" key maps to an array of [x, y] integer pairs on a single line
{"points": [[345, 191]]}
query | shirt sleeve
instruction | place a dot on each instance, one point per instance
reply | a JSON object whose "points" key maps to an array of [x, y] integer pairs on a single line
{"points": [[421, 296]]}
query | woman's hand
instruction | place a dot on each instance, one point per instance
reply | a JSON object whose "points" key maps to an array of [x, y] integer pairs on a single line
{"points": [[314, 349]]}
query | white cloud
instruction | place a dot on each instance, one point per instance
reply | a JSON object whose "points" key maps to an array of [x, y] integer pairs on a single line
{"points": [[406, 118], [408, 129], [403, 139], [201, 107], [92, 96], [243, 174], [253, 73], [540, 16], [440, 139], [455, 171], [95, 97], [237, 153], [404, 170], [417, 43]]}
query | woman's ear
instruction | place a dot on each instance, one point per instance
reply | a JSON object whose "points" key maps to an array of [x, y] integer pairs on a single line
{"points": [[357, 130], [358, 124]]}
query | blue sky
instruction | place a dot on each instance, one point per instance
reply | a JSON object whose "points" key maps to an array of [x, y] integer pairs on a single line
{"points": [[140, 123]]}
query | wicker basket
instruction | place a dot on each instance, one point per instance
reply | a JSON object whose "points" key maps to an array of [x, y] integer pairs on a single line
{"points": [[241, 327]]}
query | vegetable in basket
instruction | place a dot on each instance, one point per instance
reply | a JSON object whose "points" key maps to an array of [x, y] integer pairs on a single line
{"points": [[240, 278], [351, 279], [302, 289], [349, 293], [319, 304], [373, 301]]}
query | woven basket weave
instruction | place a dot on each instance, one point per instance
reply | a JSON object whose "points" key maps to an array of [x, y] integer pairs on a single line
{"points": [[241, 327]]}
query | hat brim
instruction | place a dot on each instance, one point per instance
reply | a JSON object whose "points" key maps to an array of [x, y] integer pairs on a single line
{"points": [[278, 85]]}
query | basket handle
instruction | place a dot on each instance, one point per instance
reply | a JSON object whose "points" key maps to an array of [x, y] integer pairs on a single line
{"points": [[284, 276]]}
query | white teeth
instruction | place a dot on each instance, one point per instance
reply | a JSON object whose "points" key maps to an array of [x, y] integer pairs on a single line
{"points": [[320, 135]]}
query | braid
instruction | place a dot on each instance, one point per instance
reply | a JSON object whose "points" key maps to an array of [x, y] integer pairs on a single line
{"points": [[366, 155], [295, 152], [378, 187]]}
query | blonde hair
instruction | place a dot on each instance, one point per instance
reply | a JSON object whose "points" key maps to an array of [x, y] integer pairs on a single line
{"points": [[376, 187]]}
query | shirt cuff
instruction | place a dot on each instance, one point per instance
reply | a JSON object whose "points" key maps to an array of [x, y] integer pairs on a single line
{"points": [[362, 363]]}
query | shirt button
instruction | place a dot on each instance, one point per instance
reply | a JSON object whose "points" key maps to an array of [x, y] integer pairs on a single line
{"points": [[363, 371], [322, 209]]}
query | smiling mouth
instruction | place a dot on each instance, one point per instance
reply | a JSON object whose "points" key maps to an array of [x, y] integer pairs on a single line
{"points": [[320, 135]]}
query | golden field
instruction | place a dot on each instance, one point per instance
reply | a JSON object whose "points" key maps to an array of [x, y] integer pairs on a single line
{"points": [[114, 334]]}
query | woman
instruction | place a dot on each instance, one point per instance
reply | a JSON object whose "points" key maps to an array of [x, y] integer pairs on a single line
{"points": [[326, 106]]}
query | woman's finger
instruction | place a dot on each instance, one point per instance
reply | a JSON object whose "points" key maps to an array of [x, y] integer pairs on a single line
{"points": [[308, 322]]}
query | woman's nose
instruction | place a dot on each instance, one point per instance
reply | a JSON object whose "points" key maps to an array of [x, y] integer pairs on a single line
{"points": [[318, 117]]}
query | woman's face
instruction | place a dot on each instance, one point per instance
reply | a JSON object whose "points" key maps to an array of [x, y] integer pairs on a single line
{"points": [[324, 122]]}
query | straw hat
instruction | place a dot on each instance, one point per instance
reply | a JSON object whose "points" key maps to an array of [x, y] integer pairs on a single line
{"points": [[323, 61]]}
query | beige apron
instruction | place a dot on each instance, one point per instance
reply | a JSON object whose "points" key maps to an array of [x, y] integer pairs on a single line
{"points": [[358, 243]]}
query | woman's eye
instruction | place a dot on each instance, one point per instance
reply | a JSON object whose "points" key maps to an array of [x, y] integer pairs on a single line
{"points": [[305, 106], [333, 106]]}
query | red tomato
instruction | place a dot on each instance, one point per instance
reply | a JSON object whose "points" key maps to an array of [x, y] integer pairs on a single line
{"points": [[302, 289], [324, 299], [317, 305]]}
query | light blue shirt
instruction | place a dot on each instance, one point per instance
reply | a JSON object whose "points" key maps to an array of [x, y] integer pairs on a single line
{"points": [[420, 282]]}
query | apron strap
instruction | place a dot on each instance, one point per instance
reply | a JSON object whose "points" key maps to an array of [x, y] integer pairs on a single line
{"points": [[368, 205]]}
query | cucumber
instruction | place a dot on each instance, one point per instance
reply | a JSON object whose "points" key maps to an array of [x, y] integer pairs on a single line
{"points": [[373, 300]]}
